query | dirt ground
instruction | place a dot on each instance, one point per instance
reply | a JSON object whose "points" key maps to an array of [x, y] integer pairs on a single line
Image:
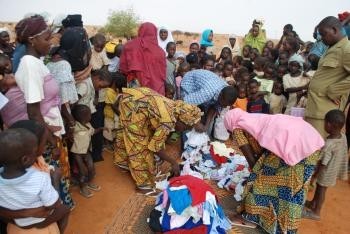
{"points": [[95, 214]]}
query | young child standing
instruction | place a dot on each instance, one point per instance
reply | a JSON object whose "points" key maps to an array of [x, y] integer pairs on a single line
{"points": [[265, 80], [99, 57], [242, 76], [281, 71], [194, 48], [171, 65], [98, 61], [111, 119], [333, 163], [113, 52], [246, 52], [24, 187], [283, 58], [183, 69], [294, 82], [209, 63], [228, 73], [256, 102], [242, 100], [277, 100], [225, 55], [80, 149], [86, 92], [237, 63]]}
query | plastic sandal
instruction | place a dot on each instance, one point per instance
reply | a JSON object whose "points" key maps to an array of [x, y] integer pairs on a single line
{"points": [[94, 187], [307, 214], [153, 193], [145, 187], [123, 167], [87, 194]]}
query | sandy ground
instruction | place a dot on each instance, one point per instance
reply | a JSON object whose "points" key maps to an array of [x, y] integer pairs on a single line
{"points": [[95, 214]]}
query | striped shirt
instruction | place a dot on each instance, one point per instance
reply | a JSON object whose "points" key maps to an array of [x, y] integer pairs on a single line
{"points": [[31, 190], [201, 87], [334, 156]]}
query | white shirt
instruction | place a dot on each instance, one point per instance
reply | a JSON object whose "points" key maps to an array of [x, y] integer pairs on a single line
{"points": [[31, 190], [86, 90], [30, 77], [114, 64]]}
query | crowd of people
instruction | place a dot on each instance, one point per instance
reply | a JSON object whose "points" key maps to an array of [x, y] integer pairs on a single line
{"points": [[66, 97]]}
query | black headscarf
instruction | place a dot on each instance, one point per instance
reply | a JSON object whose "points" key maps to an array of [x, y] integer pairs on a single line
{"points": [[72, 21]]}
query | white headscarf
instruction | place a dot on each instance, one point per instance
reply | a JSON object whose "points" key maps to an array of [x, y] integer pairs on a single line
{"points": [[4, 29], [236, 50], [162, 44]]}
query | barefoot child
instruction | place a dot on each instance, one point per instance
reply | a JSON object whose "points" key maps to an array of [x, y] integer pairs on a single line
{"points": [[24, 187], [83, 131], [333, 163]]}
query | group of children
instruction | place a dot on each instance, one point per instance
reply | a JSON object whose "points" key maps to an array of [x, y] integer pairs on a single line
{"points": [[274, 82]]}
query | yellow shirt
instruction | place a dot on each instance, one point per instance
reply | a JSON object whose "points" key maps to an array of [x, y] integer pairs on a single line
{"points": [[331, 81], [110, 98]]}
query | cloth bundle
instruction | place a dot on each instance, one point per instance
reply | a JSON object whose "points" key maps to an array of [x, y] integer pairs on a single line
{"points": [[214, 161], [188, 205]]}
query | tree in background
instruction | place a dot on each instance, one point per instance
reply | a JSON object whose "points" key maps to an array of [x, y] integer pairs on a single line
{"points": [[122, 23]]}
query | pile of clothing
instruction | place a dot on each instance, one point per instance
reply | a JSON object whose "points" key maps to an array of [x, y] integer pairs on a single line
{"points": [[188, 205], [214, 161]]}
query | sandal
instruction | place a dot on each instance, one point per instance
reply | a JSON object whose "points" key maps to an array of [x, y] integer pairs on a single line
{"points": [[86, 193], [94, 187], [145, 187], [125, 167], [149, 192], [308, 214], [153, 193]]}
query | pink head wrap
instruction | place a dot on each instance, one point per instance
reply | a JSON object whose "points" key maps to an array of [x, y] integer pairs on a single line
{"points": [[290, 138]]}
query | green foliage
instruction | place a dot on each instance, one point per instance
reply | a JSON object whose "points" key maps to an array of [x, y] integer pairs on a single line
{"points": [[122, 23]]}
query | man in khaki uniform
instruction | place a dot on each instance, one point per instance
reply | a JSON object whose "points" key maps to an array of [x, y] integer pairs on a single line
{"points": [[329, 88]]}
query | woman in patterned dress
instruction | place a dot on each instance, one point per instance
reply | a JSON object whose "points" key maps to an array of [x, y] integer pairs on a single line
{"points": [[282, 152], [146, 119]]}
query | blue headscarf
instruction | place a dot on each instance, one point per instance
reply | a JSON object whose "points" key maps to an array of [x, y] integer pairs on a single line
{"points": [[204, 40], [319, 48]]}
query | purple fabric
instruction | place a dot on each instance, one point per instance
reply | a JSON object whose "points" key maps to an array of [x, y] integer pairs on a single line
{"points": [[16, 108]]}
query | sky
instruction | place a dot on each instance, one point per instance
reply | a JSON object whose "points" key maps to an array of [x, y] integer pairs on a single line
{"points": [[223, 16]]}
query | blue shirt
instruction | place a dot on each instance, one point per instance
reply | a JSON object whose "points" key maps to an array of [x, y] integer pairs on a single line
{"points": [[201, 87], [19, 52], [258, 106]]}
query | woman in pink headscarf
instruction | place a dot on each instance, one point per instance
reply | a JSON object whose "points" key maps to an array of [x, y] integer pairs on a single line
{"points": [[282, 152], [143, 61]]}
